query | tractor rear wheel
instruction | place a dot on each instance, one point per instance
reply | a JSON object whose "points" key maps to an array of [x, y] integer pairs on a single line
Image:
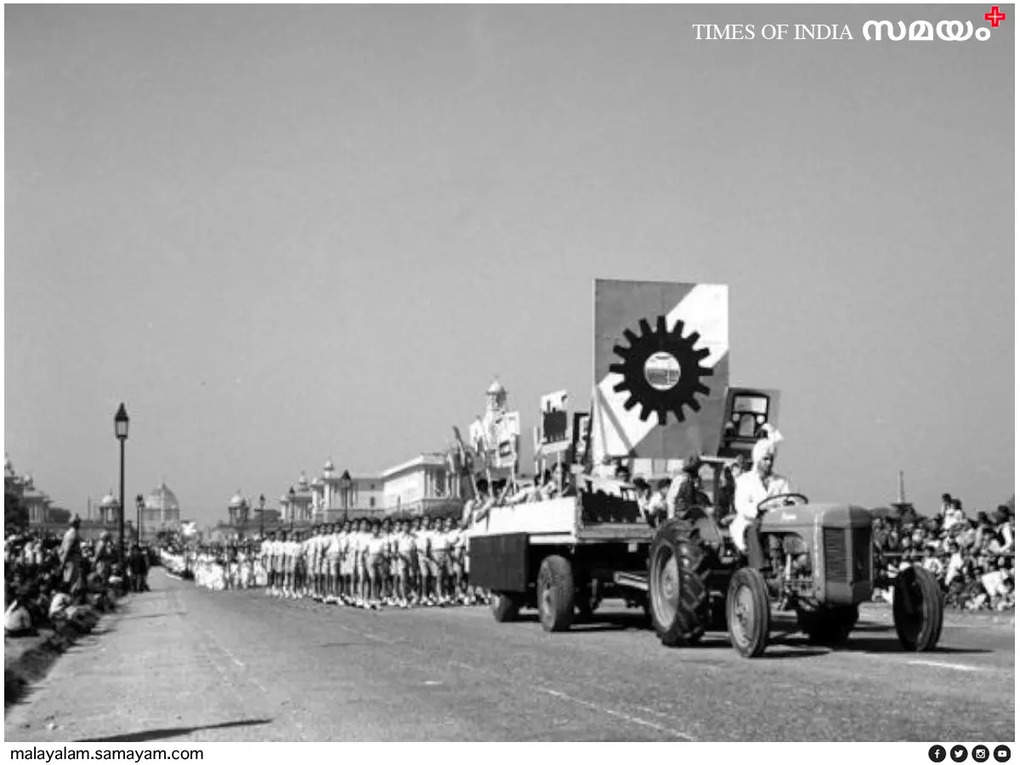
{"points": [[677, 592], [748, 612], [505, 606], [827, 625], [917, 609], [555, 593]]}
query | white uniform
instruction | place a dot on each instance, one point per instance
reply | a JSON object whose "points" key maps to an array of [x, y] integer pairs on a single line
{"points": [[750, 491]]}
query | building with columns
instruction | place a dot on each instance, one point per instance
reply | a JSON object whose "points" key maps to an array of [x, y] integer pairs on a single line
{"points": [[160, 511], [421, 486], [331, 497], [21, 488], [296, 506]]}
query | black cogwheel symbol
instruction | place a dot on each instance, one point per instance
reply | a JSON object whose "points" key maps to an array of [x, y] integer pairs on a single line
{"points": [[661, 370]]}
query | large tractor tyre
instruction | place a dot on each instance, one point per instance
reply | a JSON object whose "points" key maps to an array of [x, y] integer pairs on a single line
{"points": [[748, 613], [917, 609], [555, 594], [677, 592], [827, 625], [505, 606]]}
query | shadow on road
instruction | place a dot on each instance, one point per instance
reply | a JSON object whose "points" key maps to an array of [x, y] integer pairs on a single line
{"points": [[154, 616], [155, 734], [599, 622], [790, 653], [892, 645]]}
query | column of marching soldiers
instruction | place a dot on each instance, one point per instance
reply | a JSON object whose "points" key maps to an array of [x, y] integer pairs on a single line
{"points": [[366, 563]]}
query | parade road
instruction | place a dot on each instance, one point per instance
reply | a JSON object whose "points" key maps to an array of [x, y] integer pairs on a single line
{"points": [[186, 664]]}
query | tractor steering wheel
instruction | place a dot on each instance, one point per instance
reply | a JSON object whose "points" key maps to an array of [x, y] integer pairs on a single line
{"points": [[787, 499]]}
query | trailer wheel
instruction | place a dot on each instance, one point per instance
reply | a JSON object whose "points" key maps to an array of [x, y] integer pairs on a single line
{"points": [[748, 613], [917, 609], [677, 593], [505, 606], [555, 593], [827, 625]]}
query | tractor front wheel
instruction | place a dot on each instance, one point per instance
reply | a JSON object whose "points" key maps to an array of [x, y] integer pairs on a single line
{"points": [[917, 609], [748, 612]]}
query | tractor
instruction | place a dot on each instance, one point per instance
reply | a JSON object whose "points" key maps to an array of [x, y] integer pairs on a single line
{"points": [[819, 563]]}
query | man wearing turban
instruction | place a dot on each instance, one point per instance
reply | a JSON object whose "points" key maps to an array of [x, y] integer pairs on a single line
{"points": [[757, 484]]}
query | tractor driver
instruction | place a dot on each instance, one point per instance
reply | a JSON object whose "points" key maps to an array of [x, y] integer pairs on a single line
{"points": [[757, 484]]}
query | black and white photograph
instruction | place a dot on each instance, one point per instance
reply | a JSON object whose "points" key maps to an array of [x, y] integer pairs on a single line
{"points": [[509, 373]]}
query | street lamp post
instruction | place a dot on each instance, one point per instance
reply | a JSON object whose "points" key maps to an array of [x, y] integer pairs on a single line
{"points": [[345, 491], [291, 494], [120, 429], [139, 505], [262, 516]]}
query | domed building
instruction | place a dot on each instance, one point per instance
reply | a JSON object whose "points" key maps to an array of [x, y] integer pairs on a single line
{"points": [[237, 509], [109, 509], [160, 511]]}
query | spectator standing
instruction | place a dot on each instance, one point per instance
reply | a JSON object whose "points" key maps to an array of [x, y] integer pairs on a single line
{"points": [[138, 570], [70, 557]]}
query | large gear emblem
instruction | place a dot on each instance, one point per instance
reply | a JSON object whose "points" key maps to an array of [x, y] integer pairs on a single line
{"points": [[661, 370]]}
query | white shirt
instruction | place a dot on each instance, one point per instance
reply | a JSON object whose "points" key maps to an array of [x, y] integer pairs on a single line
{"points": [[374, 546], [440, 541], [406, 544], [334, 545], [750, 491]]}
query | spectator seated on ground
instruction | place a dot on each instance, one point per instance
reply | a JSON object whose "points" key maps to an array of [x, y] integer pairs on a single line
{"points": [[18, 620], [64, 612], [98, 593], [117, 581], [59, 605]]}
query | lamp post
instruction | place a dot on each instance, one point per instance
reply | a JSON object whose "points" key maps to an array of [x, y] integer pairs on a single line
{"points": [[262, 516], [120, 429], [139, 505], [345, 491], [291, 494]]}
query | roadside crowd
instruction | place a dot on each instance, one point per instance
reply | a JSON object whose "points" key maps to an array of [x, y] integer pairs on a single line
{"points": [[972, 558], [51, 582]]}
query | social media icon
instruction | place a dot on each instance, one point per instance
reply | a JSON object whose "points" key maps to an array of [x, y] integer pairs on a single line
{"points": [[937, 753], [979, 753], [1001, 753], [958, 753]]}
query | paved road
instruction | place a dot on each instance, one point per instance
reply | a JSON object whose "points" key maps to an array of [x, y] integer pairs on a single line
{"points": [[182, 663]]}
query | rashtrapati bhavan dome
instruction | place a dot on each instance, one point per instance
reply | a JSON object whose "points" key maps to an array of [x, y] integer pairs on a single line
{"points": [[160, 511]]}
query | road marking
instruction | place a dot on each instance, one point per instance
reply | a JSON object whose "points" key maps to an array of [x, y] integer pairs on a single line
{"points": [[617, 713], [947, 665], [233, 658]]}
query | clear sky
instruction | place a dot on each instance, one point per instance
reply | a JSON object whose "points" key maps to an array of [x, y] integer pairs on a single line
{"points": [[280, 234]]}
